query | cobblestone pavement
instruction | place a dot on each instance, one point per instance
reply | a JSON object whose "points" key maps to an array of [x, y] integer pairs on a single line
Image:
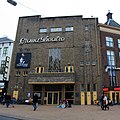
{"points": [[77, 112]]}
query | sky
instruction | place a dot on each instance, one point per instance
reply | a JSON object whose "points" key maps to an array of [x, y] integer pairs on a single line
{"points": [[10, 14]]}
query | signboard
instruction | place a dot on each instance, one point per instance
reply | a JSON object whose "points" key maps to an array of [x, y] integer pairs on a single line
{"points": [[105, 89], [23, 60], [41, 40]]}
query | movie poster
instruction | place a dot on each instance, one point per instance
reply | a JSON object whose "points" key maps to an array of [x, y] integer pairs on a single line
{"points": [[23, 60]]}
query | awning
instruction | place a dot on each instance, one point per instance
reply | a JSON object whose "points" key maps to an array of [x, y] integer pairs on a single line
{"points": [[105, 89], [117, 89]]}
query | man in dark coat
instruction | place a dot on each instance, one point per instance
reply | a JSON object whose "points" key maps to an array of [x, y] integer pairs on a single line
{"points": [[35, 101], [7, 100]]}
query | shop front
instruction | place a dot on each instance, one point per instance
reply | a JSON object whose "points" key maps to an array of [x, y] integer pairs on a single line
{"points": [[113, 94]]}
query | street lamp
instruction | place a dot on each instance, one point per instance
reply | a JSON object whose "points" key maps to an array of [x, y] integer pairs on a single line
{"points": [[12, 2]]}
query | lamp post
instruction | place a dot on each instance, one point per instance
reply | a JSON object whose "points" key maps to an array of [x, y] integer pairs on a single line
{"points": [[12, 2]]}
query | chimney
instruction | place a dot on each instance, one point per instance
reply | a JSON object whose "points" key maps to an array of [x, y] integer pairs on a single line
{"points": [[109, 15]]}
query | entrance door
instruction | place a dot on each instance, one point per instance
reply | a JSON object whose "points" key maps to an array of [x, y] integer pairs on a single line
{"points": [[52, 98]]}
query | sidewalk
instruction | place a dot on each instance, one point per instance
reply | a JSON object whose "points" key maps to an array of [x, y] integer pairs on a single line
{"points": [[77, 112]]}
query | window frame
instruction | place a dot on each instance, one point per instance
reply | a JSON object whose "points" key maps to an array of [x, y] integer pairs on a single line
{"points": [[56, 29], [119, 43], [5, 51], [69, 29], [43, 30], [109, 41]]}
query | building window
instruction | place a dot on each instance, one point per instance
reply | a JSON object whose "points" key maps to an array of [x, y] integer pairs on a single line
{"points": [[69, 69], [0, 51], [93, 62], [69, 29], [27, 31], [9, 43], [112, 75], [39, 69], [81, 62], [56, 29], [87, 62], [109, 42], [18, 73], [5, 51], [111, 63], [25, 73], [69, 87], [111, 58], [94, 87], [118, 43], [86, 27], [2, 66], [82, 87], [2, 63], [43, 30], [54, 60], [66, 69], [88, 87]]}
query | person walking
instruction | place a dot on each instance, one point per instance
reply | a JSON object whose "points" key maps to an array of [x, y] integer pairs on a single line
{"points": [[101, 102], [13, 100], [7, 100], [105, 102], [35, 101]]}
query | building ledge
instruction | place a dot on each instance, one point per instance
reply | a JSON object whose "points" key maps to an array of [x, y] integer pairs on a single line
{"points": [[53, 78]]}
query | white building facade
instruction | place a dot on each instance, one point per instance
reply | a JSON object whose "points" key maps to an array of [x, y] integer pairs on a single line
{"points": [[6, 47]]}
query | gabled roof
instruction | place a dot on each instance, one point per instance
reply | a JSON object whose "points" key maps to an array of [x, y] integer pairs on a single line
{"points": [[5, 40], [111, 22]]}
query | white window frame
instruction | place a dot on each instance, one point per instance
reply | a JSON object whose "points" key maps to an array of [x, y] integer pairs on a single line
{"points": [[109, 42], [69, 29], [55, 29], [43, 30], [5, 51], [118, 43]]}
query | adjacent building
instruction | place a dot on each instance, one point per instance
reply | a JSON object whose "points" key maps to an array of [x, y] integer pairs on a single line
{"points": [[6, 46], [110, 58]]}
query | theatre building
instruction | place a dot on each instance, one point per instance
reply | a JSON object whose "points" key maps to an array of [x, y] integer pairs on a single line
{"points": [[56, 57]]}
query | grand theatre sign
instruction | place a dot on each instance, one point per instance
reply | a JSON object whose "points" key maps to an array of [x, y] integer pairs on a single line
{"points": [[41, 40]]}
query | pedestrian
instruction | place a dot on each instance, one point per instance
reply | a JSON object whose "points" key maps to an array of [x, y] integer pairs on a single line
{"points": [[101, 102], [13, 100], [7, 100], [105, 102], [35, 101]]}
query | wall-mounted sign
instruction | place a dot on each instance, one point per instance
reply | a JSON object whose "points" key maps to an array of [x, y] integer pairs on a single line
{"points": [[23, 60], [41, 40]]}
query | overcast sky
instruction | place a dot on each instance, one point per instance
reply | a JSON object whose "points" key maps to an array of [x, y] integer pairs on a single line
{"points": [[49, 8]]}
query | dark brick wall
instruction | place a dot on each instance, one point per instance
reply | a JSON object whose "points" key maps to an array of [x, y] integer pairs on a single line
{"points": [[79, 45]]}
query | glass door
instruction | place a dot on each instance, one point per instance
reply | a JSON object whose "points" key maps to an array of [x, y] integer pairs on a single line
{"points": [[52, 98]]}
